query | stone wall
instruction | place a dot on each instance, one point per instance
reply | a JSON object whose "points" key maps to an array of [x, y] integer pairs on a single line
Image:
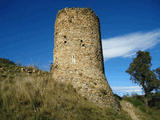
{"points": [[78, 55]]}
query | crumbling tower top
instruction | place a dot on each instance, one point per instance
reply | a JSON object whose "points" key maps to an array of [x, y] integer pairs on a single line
{"points": [[77, 43]]}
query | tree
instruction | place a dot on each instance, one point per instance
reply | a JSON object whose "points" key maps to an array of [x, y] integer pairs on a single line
{"points": [[141, 73], [157, 72]]}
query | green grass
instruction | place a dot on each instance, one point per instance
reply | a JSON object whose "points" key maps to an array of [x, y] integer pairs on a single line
{"points": [[137, 101], [28, 95]]}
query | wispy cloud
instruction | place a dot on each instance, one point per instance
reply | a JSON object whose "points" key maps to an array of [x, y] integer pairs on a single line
{"points": [[127, 45], [127, 90]]}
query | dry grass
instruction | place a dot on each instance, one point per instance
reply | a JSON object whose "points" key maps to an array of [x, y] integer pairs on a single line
{"points": [[33, 96]]}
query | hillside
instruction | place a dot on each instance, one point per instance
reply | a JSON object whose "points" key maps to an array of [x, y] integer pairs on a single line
{"points": [[27, 93]]}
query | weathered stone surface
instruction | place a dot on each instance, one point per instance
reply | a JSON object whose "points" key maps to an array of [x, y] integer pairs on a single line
{"points": [[78, 55]]}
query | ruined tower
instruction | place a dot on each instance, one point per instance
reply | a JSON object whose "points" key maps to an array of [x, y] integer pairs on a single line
{"points": [[78, 55]]}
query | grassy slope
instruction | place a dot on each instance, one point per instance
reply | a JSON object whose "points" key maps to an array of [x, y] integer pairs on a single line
{"points": [[26, 95], [144, 113]]}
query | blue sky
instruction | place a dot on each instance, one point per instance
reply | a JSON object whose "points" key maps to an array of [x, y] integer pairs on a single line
{"points": [[27, 27]]}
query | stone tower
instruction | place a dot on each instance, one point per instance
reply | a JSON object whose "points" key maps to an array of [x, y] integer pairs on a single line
{"points": [[78, 55]]}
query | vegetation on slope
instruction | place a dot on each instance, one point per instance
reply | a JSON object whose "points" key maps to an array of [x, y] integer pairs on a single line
{"points": [[27, 93], [141, 74], [150, 112]]}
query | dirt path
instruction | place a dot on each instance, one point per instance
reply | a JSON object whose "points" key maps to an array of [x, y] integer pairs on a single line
{"points": [[129, 108]]}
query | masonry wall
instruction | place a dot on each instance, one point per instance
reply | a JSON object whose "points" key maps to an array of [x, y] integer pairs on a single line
{"points": [[78, 55]]}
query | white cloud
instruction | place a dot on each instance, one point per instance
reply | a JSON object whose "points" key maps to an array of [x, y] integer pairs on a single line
{"points": [[127, 90], [128, 45]]}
